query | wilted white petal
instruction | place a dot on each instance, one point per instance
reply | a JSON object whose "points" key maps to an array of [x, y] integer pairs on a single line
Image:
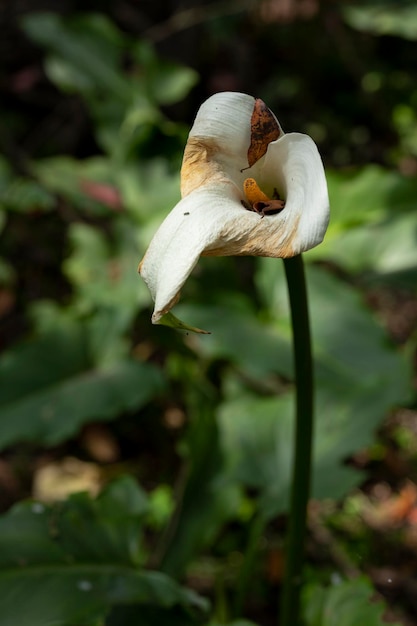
{"points": [[213, 217], [218, 142], [293, 165], [194, 225], [225, 118]]}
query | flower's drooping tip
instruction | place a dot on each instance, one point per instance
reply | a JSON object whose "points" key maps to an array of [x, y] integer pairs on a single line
{"points": [[173, 322]]}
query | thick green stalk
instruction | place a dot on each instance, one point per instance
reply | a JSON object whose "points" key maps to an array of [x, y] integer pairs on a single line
{"points": [[300, 488]]}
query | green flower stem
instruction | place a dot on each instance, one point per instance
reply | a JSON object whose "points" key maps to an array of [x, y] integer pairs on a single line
{"points": [[300, 488]]}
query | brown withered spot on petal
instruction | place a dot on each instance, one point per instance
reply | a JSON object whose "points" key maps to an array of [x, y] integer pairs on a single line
{"points": [[199, 164], [268, 208], [259, 241], [264, 129]]}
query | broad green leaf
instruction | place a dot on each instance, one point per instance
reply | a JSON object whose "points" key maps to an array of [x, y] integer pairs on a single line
{"points": [[50, 387], [256, 435], [393, 19], [374, 224], [69, 563], [100, 530], [348, 340], [150, 190], [349, 603], [367, 195], [21, 194], [104, 275], [360, 378], [386, 248], [88, 48], [239, 336], [164, 81], [358, 197], [86, 56], [70, 178], [48, 595], [257, 438], [360, 375], [103, 271], [171, 83], [25, 195]]}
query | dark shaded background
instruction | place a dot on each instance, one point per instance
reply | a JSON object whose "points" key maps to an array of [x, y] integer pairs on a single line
{"points": [[353, 89]]}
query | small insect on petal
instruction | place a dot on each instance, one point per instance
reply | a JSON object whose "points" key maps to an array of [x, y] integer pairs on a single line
{"points": [[264, 129]]}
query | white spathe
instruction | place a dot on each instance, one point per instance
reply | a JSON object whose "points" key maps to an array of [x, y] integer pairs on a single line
{"points": [[212, 217]]}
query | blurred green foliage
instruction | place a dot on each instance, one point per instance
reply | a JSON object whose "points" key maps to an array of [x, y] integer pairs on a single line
{"points": [[346, 603], [203, 423]]}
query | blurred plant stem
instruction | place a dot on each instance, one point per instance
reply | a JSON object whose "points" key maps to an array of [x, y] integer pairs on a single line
{"points": [[300, 488], [247, 570]]}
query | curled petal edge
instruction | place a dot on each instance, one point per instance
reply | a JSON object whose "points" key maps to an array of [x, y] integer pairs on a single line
{"points": [[211, 220]]}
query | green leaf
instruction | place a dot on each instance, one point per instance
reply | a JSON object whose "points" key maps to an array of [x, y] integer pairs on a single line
{"points": [[68, 177], [87, 50], [367, 195], [239, 336], [24, 195], [49, 387], [164, 81], [385, 248], [103, 272], [349, 603], [360, 196], [171, 82], [86, 55], [398, 18], [349, 342], [21, 194], [149, 191], [360, 378], [69, 563], [256, 435], [373, 222]]}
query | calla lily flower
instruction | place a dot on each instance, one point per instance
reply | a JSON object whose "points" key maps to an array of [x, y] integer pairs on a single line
{"points": [[247, 189]]}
